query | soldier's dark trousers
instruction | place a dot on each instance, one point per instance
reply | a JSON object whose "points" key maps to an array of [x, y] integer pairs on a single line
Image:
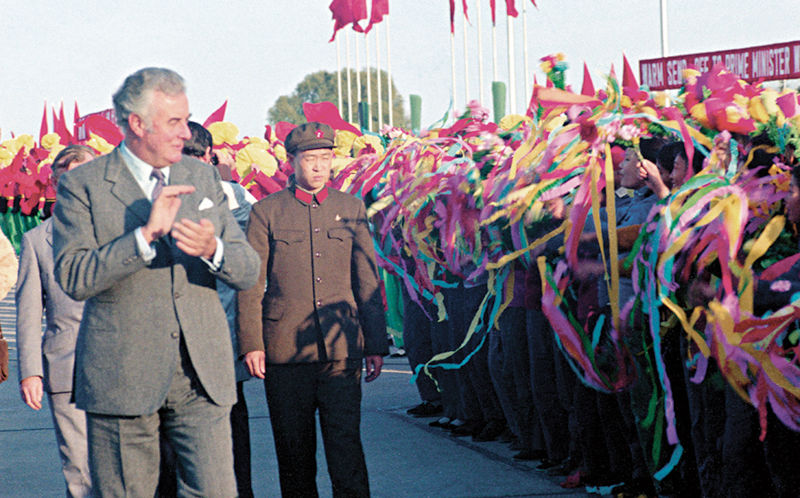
{"points": [[294, 393]]}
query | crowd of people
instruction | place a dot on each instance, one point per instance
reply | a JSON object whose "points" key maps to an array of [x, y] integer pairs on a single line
{"points": [[518, 382]]}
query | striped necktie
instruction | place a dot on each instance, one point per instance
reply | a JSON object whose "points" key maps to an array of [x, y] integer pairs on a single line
{"points": [[160, 183]]}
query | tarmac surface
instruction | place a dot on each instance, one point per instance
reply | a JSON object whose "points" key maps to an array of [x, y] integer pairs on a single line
{"points": [[405, 457]]}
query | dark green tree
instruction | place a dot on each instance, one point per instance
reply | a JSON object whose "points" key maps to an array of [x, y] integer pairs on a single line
{"points": [[321, 86]]}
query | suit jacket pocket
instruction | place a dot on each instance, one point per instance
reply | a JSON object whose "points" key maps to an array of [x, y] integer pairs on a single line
{"points": [[60, 342]]}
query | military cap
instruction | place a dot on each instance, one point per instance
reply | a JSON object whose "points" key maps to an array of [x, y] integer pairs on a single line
{"points": [[309, 136]]}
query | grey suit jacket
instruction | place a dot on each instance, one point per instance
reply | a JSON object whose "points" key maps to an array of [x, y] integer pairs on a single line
{"points": [[128, 344], [52, 355]]}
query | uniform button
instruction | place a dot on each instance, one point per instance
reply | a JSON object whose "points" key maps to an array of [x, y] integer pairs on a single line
{"points": [[175, 335], [177, 295], [317, 254], [319, 303], [314, 206], [318, 279], [316, 230]]}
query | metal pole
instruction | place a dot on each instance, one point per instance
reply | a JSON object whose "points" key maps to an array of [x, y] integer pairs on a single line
{"points": [[358, 72], [378, 73], [525, 50], [349, 79], [480, 52], [339, 75], [453, 67], [369, 82], [466, 63], [494, 52], [512, 103], [389, 71], [664, 33]]}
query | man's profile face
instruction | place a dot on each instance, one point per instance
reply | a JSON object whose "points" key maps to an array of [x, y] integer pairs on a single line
{"points": [[629, 169], [164, 129], [312, 168], [679, 168]]}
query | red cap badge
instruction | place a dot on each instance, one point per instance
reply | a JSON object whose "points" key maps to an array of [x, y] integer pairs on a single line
{"points": [[319, 134]]}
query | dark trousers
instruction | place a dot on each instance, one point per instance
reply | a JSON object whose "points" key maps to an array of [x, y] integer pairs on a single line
{"points": [[421, 344], [479, 401], [240, 427], [294, 394], [544, 385], [448, 384]]}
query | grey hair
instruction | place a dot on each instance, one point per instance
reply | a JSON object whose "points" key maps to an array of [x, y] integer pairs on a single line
{"points": [[134, 96]]}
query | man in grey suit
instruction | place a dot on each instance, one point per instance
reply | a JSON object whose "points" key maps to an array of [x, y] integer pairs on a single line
{"points": [[46, 361], [141, 234]]}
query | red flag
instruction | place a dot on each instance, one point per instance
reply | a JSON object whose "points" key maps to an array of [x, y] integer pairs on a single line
{"points": [[346, 12], [326, 112], [60, 126], [628, 79], [102, 127], [76, 116], [380, 8], [511, 9], [217, 115], [453, 14], [588, 86], [282, 129], [43, 129]]}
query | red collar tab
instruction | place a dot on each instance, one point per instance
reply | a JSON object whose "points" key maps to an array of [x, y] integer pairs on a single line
{"points": [[307, 197]]}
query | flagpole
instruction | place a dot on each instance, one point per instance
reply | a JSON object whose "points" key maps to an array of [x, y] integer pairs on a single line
{"points": [[525, 51], [480, 52], [453, 67], [358, 77], [349, 79], [466, 62], [512, 104], [389, 71], [494, 52], [339, 75], [664, 33], [378, 73], [369, 81]]}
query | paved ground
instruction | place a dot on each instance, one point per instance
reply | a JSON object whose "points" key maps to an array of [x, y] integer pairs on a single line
{"points": [[405, 457]]}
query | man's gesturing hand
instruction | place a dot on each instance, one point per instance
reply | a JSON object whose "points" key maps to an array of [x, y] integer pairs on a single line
{"points": [[163, 212], [195, 239]]}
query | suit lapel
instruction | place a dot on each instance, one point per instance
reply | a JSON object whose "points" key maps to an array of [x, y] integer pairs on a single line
{"points": [[48, 232], [181, 174], [125, 187]]}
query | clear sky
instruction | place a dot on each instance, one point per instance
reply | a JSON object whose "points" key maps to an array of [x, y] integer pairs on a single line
{"points": [[251, 52]]}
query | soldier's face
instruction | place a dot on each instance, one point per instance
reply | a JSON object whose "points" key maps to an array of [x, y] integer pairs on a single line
{"points": [[312, 168]]}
